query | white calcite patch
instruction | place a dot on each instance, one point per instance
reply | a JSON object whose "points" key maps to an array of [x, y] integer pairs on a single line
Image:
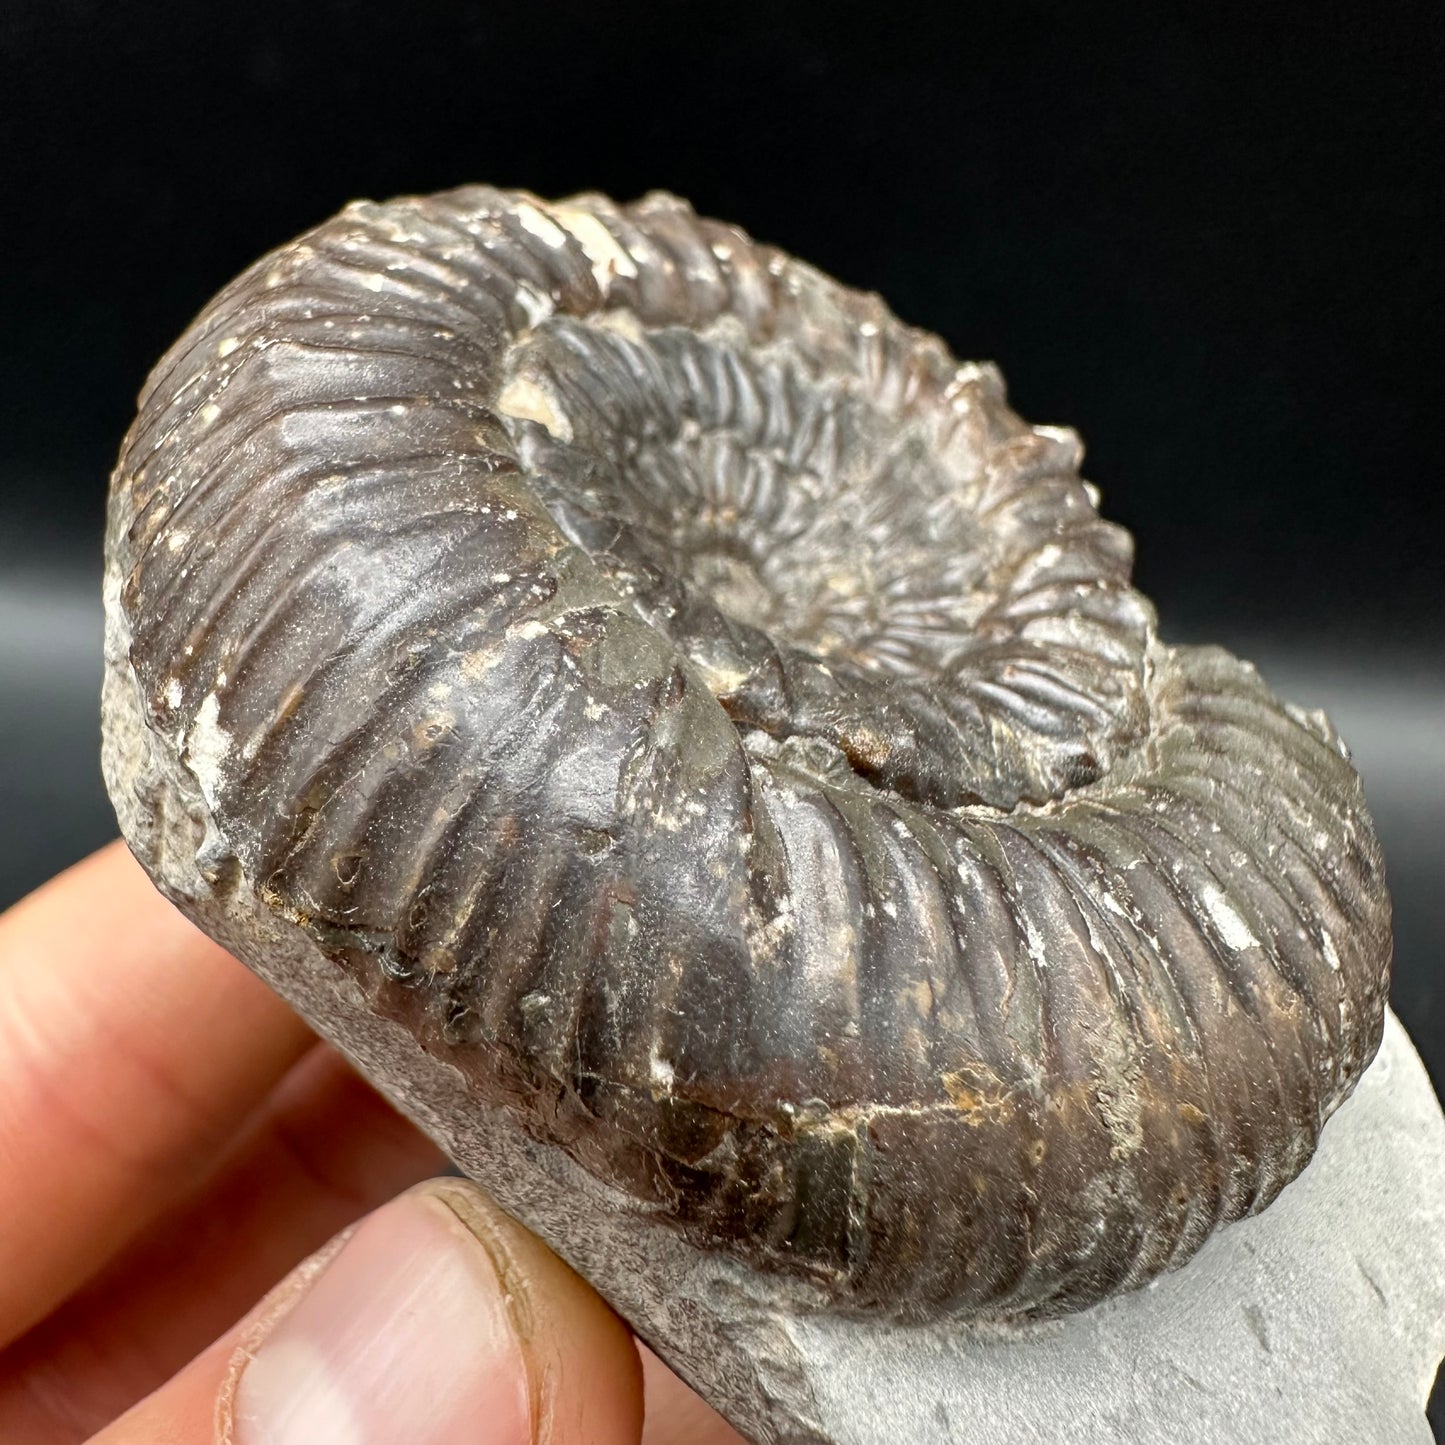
{"points": [[541, 225], [606, 256], [1234, 931], [208, 745], [661, 1070], [523, 398]]}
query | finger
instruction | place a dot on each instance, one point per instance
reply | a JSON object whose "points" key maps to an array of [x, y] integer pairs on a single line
{"points": [[675, 1415], [324, 1150], [438, 1320], [131, 1047]]}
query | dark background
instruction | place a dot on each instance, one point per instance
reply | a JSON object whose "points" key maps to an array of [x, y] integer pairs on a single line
{"points": [[1208, 237]]}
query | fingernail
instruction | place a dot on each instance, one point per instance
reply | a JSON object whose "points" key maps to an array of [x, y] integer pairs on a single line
{"points": [[405, 1336]]}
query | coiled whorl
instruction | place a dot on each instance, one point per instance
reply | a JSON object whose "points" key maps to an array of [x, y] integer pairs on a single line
{"points": [[707, 716]]}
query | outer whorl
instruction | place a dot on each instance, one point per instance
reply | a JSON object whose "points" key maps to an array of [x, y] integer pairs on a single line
{"points": [[707, 716]]}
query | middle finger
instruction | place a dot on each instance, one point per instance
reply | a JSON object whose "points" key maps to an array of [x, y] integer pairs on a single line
{"points": [[325, 1150]]}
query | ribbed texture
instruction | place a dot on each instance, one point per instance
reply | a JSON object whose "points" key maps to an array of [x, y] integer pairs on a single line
{"points": [[703, 712]]}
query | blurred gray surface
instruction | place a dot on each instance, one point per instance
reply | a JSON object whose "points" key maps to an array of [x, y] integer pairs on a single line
{"points": [[52, 799], [1391, 710]]}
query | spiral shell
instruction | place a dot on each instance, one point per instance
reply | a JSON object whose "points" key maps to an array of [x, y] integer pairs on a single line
{"points": [[704, 714]]}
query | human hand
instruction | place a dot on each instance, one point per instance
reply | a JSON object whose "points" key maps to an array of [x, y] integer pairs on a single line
{"points": [[174, 1142]]}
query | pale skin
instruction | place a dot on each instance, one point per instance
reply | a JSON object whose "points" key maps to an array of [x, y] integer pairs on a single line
{"points": [[174, 1142]]}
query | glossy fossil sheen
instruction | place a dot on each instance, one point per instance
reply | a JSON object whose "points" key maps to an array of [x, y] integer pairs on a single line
{"points": [[705, 715]]}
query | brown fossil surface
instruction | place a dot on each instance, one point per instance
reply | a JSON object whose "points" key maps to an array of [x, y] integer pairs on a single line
{"points": [[725, 736]]}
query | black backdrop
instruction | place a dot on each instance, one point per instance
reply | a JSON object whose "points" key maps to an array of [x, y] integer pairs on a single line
{"points": [[1209, 237], [1209, 240]]}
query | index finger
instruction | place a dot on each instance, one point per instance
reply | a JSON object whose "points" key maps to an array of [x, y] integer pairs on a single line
{"points": [[131, 1048]]}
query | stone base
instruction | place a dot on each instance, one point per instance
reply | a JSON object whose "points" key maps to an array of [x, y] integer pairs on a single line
{"points": [[1319, 1322]]}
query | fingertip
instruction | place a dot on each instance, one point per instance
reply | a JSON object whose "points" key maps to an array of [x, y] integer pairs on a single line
{"points": [[436, 1319], [584, 1376], [131, 1048]]}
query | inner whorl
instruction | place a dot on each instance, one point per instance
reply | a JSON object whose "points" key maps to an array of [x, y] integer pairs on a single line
{"points": [[705, 714]]}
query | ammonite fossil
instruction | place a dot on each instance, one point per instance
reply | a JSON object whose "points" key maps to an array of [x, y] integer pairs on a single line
{"points": [[719, 731]]}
